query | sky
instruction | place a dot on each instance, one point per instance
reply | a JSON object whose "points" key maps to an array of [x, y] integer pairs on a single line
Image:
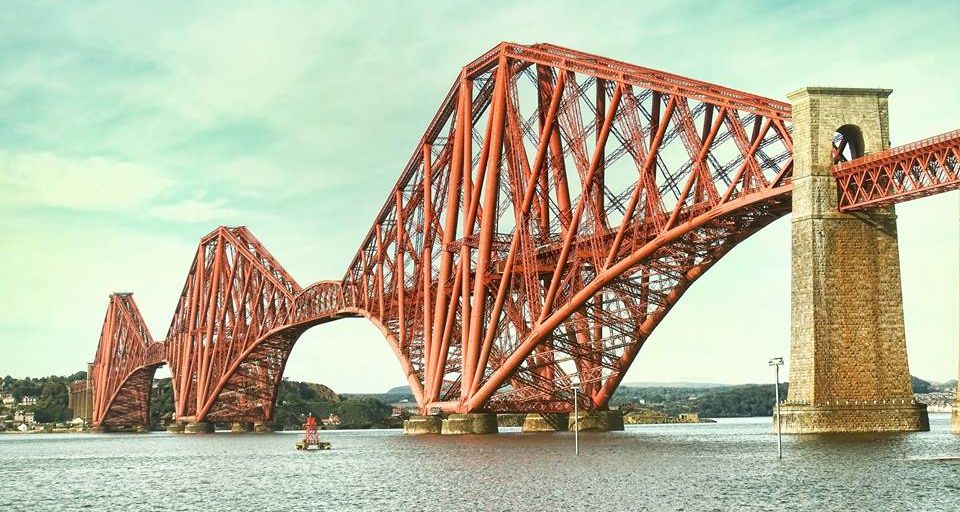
{"points": [[128, 130]]}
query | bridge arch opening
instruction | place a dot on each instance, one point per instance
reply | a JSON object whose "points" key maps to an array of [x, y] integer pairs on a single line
{"points": [[847, 143], [350, 355]]}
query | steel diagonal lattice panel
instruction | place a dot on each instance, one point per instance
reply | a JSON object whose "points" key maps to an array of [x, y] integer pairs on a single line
{"points": [[247, 390], [235, 294], [555, 209], [920, 169], [124, 365]]}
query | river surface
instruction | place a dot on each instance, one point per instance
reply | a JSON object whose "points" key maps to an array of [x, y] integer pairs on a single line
{"points": [[730, 465]]}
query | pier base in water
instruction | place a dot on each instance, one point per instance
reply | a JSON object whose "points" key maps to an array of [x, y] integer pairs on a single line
{"points": [[417, 425], [596, 421], [853, 417], [198, 427], [471, 423], [241, 426], [955, 418], [266, 427], [176, 428], [545, 422], [106, 429]]}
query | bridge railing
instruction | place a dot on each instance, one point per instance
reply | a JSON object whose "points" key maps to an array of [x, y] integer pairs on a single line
{"points": [[320, 299], [899, 174]]}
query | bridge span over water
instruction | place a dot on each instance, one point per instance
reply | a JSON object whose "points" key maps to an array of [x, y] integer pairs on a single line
{"points": [[555, 209]]}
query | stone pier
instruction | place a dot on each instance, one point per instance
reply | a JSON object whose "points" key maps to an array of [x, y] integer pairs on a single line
{"points": [[596, 421], [175, 427], [848, 359], [266, 427], [537, 422], [417, 425], [198, 427], [113, 429], [241, 426], [955, 416], [471, 423]]}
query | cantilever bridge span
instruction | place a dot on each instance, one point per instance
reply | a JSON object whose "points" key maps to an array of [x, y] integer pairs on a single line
{"points": [[555, 209]]}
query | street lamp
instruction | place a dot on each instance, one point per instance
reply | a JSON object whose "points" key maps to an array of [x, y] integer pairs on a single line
{"points": [[775, 363], [576, 420]]}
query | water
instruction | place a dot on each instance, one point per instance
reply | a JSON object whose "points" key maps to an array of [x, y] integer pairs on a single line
{"points": [[723, 466]]}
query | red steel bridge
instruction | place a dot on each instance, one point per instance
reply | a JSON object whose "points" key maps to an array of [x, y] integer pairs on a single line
{"points": [[555, 209]]}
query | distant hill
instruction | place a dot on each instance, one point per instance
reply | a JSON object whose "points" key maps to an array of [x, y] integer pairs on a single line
{"points": [[687, 392], [945, 386], [677, 384]]}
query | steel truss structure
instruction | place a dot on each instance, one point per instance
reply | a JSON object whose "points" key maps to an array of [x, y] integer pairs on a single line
{"points": [[920, 169], [558, 205]]}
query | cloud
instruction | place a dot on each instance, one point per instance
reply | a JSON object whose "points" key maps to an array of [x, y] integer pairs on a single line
{"points": [[296, 119], [89, 184], [193, 210]]}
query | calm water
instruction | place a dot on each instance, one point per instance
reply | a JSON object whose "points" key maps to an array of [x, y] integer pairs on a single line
{"points": [[729, 465]]}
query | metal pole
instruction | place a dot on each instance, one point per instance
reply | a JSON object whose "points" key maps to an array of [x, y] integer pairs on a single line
{"points": [[576, 421], [775, 363], [779, 418]]}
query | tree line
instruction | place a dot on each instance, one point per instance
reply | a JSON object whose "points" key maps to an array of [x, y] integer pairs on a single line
{"points": [[295, 400], [51, 392], [720, 402]]}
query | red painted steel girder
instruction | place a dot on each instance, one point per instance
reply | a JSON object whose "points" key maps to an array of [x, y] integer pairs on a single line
{"points": [[235, 293], [512, 261], [537, 237], [920, 169], [556, 208], [123, 368]]}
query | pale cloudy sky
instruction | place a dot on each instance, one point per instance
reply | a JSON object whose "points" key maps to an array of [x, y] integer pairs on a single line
{"points": [[128, 131]]}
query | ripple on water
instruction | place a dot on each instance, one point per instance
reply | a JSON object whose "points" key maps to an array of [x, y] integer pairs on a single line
{"points": [[723, 466]]}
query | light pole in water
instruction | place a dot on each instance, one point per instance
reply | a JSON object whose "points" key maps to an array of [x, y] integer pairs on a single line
{"points": [[776, 362], [576, 420]]}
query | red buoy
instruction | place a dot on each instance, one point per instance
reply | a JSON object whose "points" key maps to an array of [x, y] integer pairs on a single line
{"points": [[311, 437]]}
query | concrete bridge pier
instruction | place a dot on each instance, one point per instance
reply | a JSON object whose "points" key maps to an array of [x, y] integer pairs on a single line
{"points": [[241, 426], [175, 427], [266, 427], [470, 423], [417, 425], [955, 416], [198, 427], [848, 358], [107, 429], [544, 422], [596, 421]]}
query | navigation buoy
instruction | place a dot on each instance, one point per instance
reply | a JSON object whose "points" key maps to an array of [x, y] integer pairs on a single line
{"points": [[311, 437]]}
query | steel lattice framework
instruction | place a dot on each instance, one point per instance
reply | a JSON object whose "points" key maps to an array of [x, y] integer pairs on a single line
{"points": [[556, 208], [924, 168], [123, 368]]}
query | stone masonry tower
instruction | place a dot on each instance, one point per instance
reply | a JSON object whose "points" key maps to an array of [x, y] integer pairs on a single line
{"points": [[848, 359]]}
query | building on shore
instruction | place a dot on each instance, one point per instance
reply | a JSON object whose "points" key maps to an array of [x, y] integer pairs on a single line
{"points": [[81, 397], [332, 421], [23, 417]]}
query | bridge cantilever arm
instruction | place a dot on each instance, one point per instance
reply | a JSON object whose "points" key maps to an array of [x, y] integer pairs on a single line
{"points": [[920, 169]]}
